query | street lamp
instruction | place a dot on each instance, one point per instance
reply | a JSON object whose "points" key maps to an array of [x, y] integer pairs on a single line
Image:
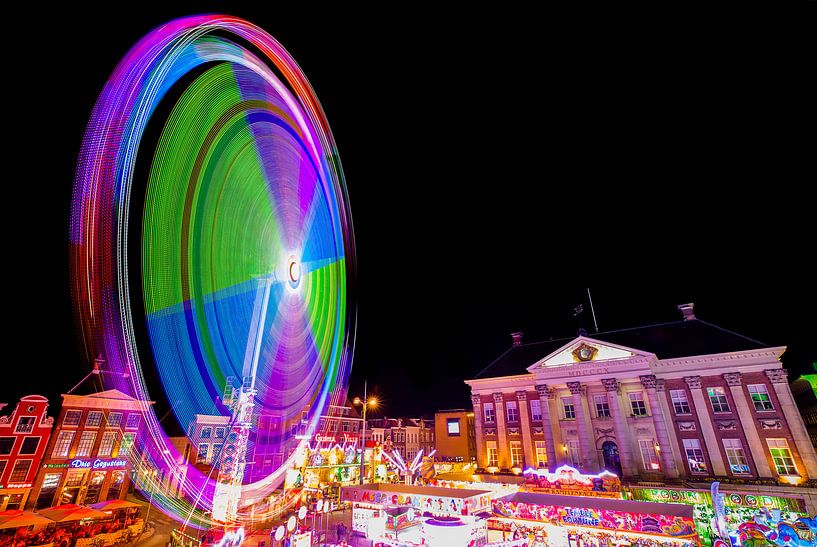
{"points": [[365, 403]]}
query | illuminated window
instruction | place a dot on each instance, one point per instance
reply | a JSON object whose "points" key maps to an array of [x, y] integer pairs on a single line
{"points": [[516, 454], [783, 461], [216, 452], [6, 445], [574, 453], [86, 443], [94, 419], [535, 410], [346, 427], [30, 445], [114, 419], [20, 471], [680, 403], [489, 412], [63, 444], [3, 464], [569, 412], [125, 446], [72, 417], [512, 411], [637, 403], [695, 456], [717, 396], [491, 453], [220, 431], [736, 456], [133, 420], [453, 427], [25, 424], [107, 444], [602, 406], [541, 454], [648, 455], [760, 397], [203, 453], [206, 432]]}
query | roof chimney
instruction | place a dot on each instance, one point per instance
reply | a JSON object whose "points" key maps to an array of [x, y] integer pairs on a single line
{"points": [[688, 311], [517, 338]]}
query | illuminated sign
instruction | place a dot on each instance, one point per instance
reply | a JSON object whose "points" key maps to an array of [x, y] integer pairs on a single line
{"points": [[232, 538], [17, 485], [98, 464], [732, 499], [569, 480]]}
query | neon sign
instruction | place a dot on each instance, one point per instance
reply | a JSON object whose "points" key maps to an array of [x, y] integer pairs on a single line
{"points": [[232, 538], [98, 464]]}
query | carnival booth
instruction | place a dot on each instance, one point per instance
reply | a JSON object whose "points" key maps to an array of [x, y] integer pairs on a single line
{"points": [[565, 521], [382, 512]]}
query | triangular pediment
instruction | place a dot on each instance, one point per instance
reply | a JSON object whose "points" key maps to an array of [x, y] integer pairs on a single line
{"points": [[585, 350]]}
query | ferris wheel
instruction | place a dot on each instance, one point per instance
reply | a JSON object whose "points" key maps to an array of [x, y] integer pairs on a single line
{"points": [[210, 213]]}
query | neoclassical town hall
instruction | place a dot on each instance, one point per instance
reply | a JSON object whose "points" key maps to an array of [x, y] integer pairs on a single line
{"points": [[680, 400]]}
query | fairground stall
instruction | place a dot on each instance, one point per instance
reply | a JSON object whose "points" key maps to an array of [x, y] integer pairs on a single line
{"points": [[550, 520], [566, 480], [741, 510], [374, 505]]}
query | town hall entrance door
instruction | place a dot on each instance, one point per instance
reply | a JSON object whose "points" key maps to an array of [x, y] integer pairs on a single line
{"points": [[611, 459]]}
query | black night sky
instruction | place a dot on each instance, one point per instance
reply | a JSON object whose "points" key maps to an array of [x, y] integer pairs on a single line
{"points": [[497, 165]]}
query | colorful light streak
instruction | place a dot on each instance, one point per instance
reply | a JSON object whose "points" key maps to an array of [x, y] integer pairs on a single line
{"points": [[245, 184]]}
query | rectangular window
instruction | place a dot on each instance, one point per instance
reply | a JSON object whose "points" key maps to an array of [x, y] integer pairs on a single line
{"points": [[491, 453], [6, 445], [679, 401], [637, 403], [206, 432], [602, 406], [72, 417], [20, 471], [63, 444], [649, 455], [541, 454], [569, 412], [535, 410], [50, 483], [489, 412], [86, 443], [2, 467], [453, 426], [125, 445], [204, 453], [220, 432], [516, 454], [695, 456], [760, 397], [736, 456], [781, 455], [217, 452], [346, 427], [114, 419], [573, 452], [133, 420], [512, 411], [94, 419], [717, 396], [25, 424], [30, 445], [107, 444]]}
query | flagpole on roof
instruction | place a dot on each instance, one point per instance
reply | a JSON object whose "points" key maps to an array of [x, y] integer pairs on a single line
{"points": [[593, 310]]}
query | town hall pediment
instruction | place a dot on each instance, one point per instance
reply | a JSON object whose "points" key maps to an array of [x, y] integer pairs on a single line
{"points": [[587, 350]]}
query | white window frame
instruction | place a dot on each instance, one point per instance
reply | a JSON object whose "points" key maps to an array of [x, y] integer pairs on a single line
{"points": [[85, 446], [61, 442], [679, 399], [97, 418], [649, 457], [601, 402], [696, 461], [541, 453], [535, 410], [734, 455], [722, 400], [760, 389], [491, 454], [782, 444], [512, 411], [517, 456], [574, 452], [65, 422], [109, 439], [636, 399], [567, 402], [488, 413]]}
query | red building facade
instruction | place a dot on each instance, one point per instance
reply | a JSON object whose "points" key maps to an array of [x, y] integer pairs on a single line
{"points": [[24, 436], [89, 458]]}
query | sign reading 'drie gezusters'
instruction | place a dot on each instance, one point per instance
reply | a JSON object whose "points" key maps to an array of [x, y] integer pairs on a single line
{"points": [[98, 464]]}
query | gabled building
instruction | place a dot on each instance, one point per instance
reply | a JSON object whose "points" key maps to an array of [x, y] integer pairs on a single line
{"points": [[24, 435], [681, 400]]}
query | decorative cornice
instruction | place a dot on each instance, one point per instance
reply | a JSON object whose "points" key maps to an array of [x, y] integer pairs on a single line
{"points": [[686, 426], [610, 384], [575, 388], [694, 382], [726, 425], [732, 378], [771, 424], [761, 354], [542, 390], [660, 385], [605, 431], [476, 400], [777, 375], [497, 397], [522, 395], [648, 381]]}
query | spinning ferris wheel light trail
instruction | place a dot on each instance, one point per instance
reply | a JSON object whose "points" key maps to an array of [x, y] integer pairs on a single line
{"points": [[246, 259]]}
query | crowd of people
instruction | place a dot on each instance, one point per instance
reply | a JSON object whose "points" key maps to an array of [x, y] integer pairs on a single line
{"points": [[62, 535]]}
